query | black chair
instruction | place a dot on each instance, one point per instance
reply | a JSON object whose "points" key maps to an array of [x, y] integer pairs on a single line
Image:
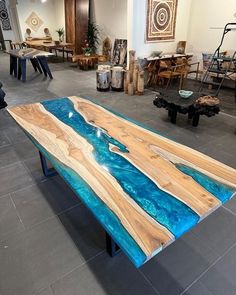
{"points": [[6, 44]]}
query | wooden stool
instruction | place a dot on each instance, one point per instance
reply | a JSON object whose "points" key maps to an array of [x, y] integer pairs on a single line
{"points": [[86, 62]]}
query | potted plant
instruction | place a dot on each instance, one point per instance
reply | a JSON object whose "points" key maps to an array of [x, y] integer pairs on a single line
{"points": [[60, 33], [87, 50], [93, 36]]}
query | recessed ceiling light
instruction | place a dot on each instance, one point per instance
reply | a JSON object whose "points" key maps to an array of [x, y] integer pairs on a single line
{"points": [[43, 1]]}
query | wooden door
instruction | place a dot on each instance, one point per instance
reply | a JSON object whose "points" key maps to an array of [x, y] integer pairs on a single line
{"points": [[76, 19]]}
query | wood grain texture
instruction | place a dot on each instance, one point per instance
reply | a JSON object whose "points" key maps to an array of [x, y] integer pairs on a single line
{"points": [[81, 24], [153, 154], [70, 20], [70, 129], [75, 152]]}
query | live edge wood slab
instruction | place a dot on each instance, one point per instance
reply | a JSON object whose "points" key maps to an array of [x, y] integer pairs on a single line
{"points": [[144, 189]]}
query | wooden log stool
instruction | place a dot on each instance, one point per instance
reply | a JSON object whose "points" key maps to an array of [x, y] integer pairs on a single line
{"points": [[103, 80], [86, 62], [117, 78]]}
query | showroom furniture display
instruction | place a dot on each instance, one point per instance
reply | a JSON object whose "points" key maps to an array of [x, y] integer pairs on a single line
{"points": [[144, 189], [192, 106], [38, 59]]}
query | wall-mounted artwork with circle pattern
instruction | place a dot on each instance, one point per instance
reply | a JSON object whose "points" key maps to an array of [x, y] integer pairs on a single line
{"points": [[34, 21], [4, 18], [161, 19]]}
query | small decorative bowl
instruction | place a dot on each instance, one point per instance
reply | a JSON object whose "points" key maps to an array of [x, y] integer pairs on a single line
{"points": [[156, 54], [185, 93]]}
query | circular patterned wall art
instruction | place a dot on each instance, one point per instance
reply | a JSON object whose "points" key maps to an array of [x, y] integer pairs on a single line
{"points": [[162, 16], [4, 17], [34, 21]]}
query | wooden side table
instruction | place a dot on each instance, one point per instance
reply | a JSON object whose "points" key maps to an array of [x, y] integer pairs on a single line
{"points": [[86, 62]]}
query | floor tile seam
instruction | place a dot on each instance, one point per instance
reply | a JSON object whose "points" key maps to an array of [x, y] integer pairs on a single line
{"points": [[42, 290], [205, 246], [25, 187], [25, 139], [228, 115], [149, 282], [209, 268], [18, 215], [74, 269], [10, 165], [51, 217], [229, 210], [16, 162], [28, 170], [26, 229], [199, 282], [5, 133], [5, 145]]}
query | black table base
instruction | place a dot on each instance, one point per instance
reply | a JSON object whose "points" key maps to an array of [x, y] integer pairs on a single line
{"points": [[18, 67], [171, 101]]}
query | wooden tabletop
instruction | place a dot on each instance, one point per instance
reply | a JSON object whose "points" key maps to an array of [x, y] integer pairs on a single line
{"points": [[144, 189], [47, 44], [28, 53]]}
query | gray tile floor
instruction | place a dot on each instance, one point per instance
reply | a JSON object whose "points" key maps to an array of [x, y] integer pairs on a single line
{"points": [[49, 242]]}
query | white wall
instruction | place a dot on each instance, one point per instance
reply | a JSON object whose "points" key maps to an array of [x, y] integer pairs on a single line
{"points": [[137, 40], [59, 13], [206, 14], [46, 11], [111, 17]]}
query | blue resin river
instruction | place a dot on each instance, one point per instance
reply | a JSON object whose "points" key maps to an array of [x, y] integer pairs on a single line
{"points": [[164, 208]]}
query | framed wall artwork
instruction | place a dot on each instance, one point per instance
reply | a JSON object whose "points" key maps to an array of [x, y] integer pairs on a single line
{"points": [[34, 21], [4, 17], [161, 19]]}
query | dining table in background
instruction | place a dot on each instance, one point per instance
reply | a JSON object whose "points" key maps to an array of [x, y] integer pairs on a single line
{"points": [[38, 59], [50, 46]]}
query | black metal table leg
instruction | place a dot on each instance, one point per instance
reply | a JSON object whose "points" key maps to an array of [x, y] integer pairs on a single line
{"points": [[44, 64], [22, 69], [196, 118], [13, 65], [173, 116], [112, 248], [48, 172]]}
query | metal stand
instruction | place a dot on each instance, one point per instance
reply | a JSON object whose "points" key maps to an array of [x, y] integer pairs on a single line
{"points": [[112, 248], [223, 67], [48, 172]]}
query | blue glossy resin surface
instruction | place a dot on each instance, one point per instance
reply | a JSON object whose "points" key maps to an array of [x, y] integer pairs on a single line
{"points": [[220, 191], [103, 214], [165, 209]]}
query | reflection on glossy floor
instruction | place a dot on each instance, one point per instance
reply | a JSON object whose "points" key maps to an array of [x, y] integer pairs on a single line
{"points": [[49, 242]]}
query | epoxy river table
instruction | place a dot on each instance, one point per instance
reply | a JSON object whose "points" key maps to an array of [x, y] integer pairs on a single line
{"points": [[144, 189]]}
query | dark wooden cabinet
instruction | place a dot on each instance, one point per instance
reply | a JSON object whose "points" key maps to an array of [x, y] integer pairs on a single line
{"points": [[76, 20]]}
